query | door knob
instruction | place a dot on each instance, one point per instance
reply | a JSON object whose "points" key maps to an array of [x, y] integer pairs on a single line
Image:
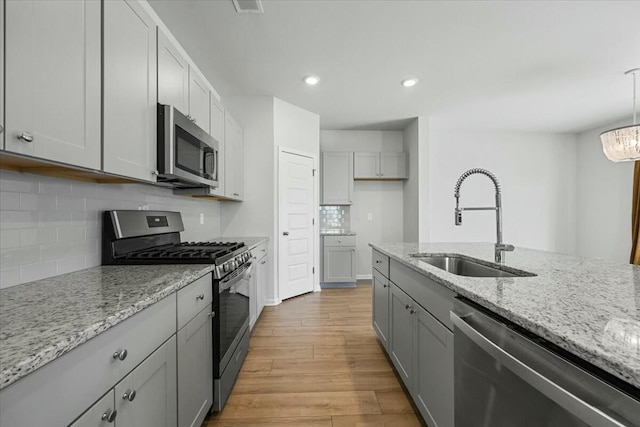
{"points": [[285, 233]]}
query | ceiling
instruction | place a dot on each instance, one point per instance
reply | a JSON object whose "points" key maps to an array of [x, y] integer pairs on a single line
{"points": [[555, 66]]}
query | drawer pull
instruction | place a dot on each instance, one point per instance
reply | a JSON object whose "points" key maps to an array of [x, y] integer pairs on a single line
{"points": [[120, 355], [378, 261], [407, 307], [263, 262], [110, 415], [384, 285], [200, 297], [212, 314], [25, 136], [129, 395]]}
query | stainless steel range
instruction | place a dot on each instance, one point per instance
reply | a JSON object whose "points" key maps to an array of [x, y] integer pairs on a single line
{"points": [[153, 237]]}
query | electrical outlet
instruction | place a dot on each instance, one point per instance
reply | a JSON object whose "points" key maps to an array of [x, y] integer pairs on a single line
{"points": [[201, 218], [370, 217]]}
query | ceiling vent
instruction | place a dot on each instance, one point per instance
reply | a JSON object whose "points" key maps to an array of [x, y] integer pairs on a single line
{"points": [[248, 6]]}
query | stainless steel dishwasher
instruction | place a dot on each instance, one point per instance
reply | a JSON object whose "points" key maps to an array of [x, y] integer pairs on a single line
{"points": [[507, 377]]}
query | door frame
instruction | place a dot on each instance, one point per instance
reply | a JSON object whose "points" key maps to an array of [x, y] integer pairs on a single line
{"points": [[277, 229]]}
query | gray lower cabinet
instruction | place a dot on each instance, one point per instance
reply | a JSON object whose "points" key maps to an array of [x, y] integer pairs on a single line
{"points": [[148, 396], [339, 264], [433, 370], [195, 370], [102, 413], [381, 291], [402, 336]]}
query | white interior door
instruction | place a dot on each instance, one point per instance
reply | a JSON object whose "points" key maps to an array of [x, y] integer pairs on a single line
{"points": [[296, 225]]}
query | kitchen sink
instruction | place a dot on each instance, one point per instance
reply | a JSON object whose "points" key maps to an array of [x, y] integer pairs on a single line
{"points": [[466, 267]]}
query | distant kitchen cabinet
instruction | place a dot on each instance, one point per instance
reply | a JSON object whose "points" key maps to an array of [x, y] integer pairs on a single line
{"points": [[130, 90], [259, 281], [233, 158], [53, 80], [380, 165], [173, 75], [338, 259], [217, 132], [381, 292], [337, 178], [199, 100]]}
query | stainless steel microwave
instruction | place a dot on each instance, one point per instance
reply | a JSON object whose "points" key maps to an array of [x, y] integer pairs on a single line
{"points": [[187, 155]]}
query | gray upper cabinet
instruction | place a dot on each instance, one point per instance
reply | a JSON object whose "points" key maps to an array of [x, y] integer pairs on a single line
{"points": [[217, 132], [381, 292], [233, 158], [53, 80], [433, 370], [130, 90], [199, 100], [337, 178], [101, 414], [173, 75], [147, 397], [384, 165]]}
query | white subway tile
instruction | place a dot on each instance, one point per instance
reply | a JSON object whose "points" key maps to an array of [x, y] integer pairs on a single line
{"points": [[19, 256], [9, 239], [9, 201], [71, 204], [38, 202], [18, 219], [71, 234], [55, 219], [93, 260], [55, 251], [38, 271], [38, 236], [18, 182], [67, 265], [55, 186], [10, 277]]}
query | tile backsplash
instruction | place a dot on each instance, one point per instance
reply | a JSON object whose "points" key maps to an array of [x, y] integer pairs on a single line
{"points": [[335, 218], [51, 226]]}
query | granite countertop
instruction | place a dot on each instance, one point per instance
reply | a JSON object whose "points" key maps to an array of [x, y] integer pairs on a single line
{"points": [[589, 307], [251, 242], [337, 233], [42, 320]]}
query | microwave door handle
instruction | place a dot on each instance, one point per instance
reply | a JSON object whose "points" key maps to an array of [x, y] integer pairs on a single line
{"points": [[214, 174]]}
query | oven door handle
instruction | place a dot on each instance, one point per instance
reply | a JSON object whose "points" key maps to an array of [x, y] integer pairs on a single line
{"points": [[578, 407], [227, 283]]}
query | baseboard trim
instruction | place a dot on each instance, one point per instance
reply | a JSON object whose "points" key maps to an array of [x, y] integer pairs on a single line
{"points": [[364, 276], [272, 302], [338, 285]]}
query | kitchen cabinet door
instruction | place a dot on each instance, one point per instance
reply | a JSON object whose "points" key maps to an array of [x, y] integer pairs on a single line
{"points": [[53, 80], [393, 165], [234, 158], [199, 100], [433, 370], [217, 132], [253, 296], [101, 414], [173, 75], [130, 90], [401, 337], [147, 397], [262, 273], [381, 292], [366, 165], [337, 178], [339, 264], [195, 370]]}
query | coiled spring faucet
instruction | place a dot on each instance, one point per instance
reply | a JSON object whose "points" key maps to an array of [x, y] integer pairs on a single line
{"points": [[500, 247]]}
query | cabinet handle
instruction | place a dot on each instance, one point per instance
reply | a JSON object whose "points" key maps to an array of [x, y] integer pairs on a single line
{"points": [[129, 395], [263, 250], [155, 172], [120, 354], [25, 136], [339, 241], [212, 314], [263, 262], [412, 311], [1, 129], [378, 261], [200, 297], [236, 194], [406, 307], [110, 415]]}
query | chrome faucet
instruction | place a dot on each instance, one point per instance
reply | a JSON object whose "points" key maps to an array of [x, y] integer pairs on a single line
{"points": [[499, 246]]}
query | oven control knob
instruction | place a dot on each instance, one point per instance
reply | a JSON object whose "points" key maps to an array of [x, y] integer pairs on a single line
{"points": [[226, 267]]}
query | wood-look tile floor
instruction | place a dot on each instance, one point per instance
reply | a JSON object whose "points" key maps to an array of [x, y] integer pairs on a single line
{"points": [[315, 361]]}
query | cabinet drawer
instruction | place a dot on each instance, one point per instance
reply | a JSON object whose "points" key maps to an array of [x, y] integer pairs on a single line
{"points": [[260, 251], [339, 240], [193, 298], [381, 263], [66, 387]]}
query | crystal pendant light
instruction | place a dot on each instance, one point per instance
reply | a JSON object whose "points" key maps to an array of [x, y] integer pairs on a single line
{"points": [[623, 144]]}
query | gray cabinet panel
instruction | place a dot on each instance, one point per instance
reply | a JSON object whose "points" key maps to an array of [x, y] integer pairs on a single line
{"points": [[337, 178], [401, 341], [94, 415], [195, 370], [381, 263], [154, 383], [262, 273], [381, 292], [339, 264], [433, 369], [193, 298], [393, 165], [366, 165]]}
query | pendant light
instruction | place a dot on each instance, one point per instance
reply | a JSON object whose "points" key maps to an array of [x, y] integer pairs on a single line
{"points": [[623, 144]]}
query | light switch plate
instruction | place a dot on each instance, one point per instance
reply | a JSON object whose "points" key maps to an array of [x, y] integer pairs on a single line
{"points": [[201, 218]]}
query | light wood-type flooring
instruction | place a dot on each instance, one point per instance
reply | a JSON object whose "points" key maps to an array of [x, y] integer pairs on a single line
{"points": [[315, 361]]}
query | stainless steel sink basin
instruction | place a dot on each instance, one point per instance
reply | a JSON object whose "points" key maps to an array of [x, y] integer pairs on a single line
{"points": [[466, 267]]}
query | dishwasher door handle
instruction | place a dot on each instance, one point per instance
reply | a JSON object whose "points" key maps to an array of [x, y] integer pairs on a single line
{"points": [[571, 403]]}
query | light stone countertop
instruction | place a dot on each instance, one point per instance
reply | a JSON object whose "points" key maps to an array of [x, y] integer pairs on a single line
{"points": [[42, 320], [589, 307], [336, 233]]}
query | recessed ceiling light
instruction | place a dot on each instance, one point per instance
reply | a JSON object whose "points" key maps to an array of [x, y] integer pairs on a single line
{"points": [[312, 80], [409, 82]]}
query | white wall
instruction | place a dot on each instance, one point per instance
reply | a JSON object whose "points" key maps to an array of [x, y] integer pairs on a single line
{"points": [[411, 188], [603, 199], [52, 226], [382, 199], [538, 175]]}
